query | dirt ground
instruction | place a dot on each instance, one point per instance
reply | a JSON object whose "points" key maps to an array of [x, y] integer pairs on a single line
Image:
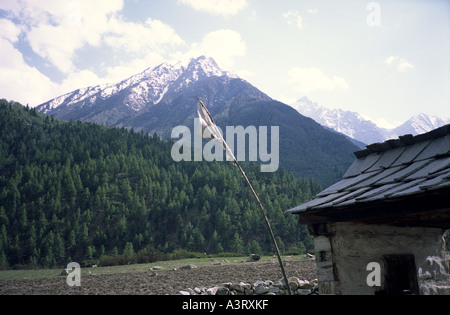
{"points": [[162, 283]]}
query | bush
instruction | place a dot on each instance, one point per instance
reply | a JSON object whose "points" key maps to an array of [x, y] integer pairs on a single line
{"points": [[150, 254]]}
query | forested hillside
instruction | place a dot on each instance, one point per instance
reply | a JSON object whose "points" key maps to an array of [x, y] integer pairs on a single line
{"points": [[73, 191]]}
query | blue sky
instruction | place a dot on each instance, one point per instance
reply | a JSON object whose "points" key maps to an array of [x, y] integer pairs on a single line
{"points": [[388, 60]]}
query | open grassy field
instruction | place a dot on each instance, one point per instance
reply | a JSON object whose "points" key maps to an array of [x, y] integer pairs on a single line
{"points": [[133, 268]]}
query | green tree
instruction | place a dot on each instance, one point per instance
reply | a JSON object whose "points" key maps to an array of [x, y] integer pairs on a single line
{"points": [[254, 248], [237, 245], [128, 251], [215, 245]]}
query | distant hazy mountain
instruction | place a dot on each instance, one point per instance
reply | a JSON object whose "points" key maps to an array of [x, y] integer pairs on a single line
{"points": [[161, 98], [355, 126], [421, 123]]}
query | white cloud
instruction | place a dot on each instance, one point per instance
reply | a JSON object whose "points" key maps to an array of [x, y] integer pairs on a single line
{"points": [[313, 79], [294, 18], [55, 44], [222, 45], [125, 70], [140, 38], [20, 82], [384, 123], [9, 31], [79, 79], [401, 64], [245, 74], [252, 17], [59, 34], [404, 65], [390, 60], [57, 29], [225, 8]]}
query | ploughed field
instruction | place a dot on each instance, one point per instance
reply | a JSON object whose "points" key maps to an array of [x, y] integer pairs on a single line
{"points": [[155, 279]]}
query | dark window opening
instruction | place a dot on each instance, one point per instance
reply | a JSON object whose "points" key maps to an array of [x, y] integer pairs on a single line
{"points": [[322, 256], [401, 276], [447, 240]]}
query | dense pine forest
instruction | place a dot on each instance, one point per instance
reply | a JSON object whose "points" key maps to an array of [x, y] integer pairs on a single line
{"points": [[72, 191]]}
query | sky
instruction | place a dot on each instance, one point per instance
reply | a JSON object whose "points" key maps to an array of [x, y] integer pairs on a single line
{"points": [[387, 60]]}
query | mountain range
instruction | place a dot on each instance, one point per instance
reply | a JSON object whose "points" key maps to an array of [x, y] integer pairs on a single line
{"points": [[163, 97], [357, 127]]}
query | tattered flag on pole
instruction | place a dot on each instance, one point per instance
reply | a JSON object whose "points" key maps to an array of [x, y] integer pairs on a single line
{"points": [[212, 131]]}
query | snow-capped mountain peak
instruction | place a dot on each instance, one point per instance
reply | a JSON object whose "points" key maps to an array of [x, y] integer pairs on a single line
{"points": [[357, 127], [205, 66], [421, 123], [141, 90], [349, 123]]}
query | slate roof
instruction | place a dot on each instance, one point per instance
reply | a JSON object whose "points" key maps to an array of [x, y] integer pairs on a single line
{"points": [[407, 167]]}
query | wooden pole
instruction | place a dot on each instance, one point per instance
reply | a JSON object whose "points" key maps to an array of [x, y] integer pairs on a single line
{"points": [[219, 138], [268, 226]]}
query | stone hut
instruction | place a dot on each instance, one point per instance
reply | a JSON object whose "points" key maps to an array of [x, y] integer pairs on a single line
{"points": [[384, 228]]}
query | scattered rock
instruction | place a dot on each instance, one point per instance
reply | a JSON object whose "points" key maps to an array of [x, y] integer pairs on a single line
{"points": [[236, 287], [273, 289], [156, 268], [259, 287], [262, 289], [212, 291], [188, 267], [254, 257], [200, 290], [294, 283], [304, 284], [223, 291]]}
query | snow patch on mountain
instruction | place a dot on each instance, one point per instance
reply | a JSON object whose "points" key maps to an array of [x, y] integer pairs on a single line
{"points": [[357, 127], [349, 123], [421, 123], [144, 89]]}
